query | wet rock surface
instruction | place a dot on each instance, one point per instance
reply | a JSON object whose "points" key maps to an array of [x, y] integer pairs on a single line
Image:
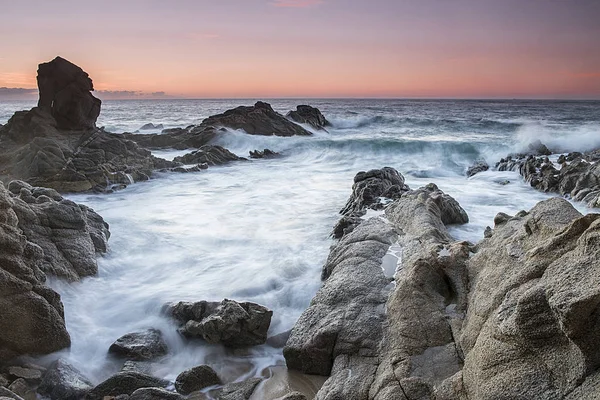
{"points": [[266, 153], [209, 155], [305, 114], [195, 379], [155, 394], [477, 167], [64, 381], [140, 346], [124, 383], [239, 390], [230, 323]]}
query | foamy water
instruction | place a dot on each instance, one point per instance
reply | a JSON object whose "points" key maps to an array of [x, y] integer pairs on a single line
{"points": [[259, 230]]}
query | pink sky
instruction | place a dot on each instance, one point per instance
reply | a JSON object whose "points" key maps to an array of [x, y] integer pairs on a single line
{"points": [[310, 48]]}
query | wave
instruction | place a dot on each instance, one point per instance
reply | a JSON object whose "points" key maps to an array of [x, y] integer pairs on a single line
{"points": [[559, 138]]}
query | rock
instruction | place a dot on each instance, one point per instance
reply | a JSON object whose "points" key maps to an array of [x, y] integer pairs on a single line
{"points": [[305, 114], [21, 388], [65, 91], [533, 306], [70, 235], [210, 155], [259, 119], [230, 323], [57, 145], [144, 367], [31, 314], [345, 225], [195, 379], [29, 374], [378, 337], [139, 346], [63, 381], [374, 189], [278, 341], [177, 138], [124, 383], [294, 396], [266, 153], [477, 167], [150, 125], [7, 394], [155, 394], [538, 148], [4, 381], [239, 390]]}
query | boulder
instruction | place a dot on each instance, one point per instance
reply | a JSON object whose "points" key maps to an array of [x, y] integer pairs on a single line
{"points": [[22, 388], [31, 314], [140, 346], [210, 155], [195, 379], [124, 383], [65, 92], [312, 116], [7, 394], [154, 393], [29, 374], [477, 167], [259, 119], [63, 381], [230, 323], [150, 125]]}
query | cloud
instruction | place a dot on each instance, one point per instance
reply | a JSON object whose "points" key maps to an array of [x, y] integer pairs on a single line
{"points": [[17, 93], [128, 94], [296, 3]]}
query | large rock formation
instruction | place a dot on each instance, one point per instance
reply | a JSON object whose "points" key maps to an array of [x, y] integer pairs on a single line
{"points": [[516, 320], [56, 144], [65, 91], [41, 232], [369, 331]]}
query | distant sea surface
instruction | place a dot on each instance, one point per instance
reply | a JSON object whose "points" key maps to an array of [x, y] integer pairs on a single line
{"points": [[259, 231]]}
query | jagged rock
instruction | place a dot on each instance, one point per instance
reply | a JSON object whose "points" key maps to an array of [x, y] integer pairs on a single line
{"points": [[259, 119], [69, 235], [344, 226], [375, 339], [150, 125], [477, 167], [195, 379], [140, 346], [56, 144], [230, 323], [210, 155], [21, 388], [538, 148], [278, 341], [155, 394], [31, 314], [305, 114], [374, 189], [176, 138], [65, 90], [144, 367], [532, 316], [7, 394], [239, 390], [266, 153], [63, 381], [124, 383]]}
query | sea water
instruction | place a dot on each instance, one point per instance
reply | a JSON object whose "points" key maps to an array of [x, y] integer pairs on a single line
{"points": [[260, 230]]}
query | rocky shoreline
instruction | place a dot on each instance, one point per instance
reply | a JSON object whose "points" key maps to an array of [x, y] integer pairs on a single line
{"points": [[404, 312]]}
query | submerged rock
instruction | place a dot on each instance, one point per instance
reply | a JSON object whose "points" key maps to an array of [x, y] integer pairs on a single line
{"points": [[195, 379], [266, 153], [63, 381], [477, 167], [140, 346], [305, 114], [150, 125], [230, 323], [209, 155]]}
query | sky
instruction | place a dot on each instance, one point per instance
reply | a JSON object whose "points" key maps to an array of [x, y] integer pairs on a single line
{"points": [[308, 48]]}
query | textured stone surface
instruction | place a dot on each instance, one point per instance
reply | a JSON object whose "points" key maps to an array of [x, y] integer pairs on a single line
{"points": [[155, 394], [63, 381], [305, 114], [211, 155], [124, 383], [139, 346], [238, 391], [230, 323], [195, 379]]}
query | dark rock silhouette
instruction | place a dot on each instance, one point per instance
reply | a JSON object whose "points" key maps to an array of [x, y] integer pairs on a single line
{"points": [[305, 114]]}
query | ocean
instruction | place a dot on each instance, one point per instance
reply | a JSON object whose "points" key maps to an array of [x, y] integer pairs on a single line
{"points": [[260, 230]]}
